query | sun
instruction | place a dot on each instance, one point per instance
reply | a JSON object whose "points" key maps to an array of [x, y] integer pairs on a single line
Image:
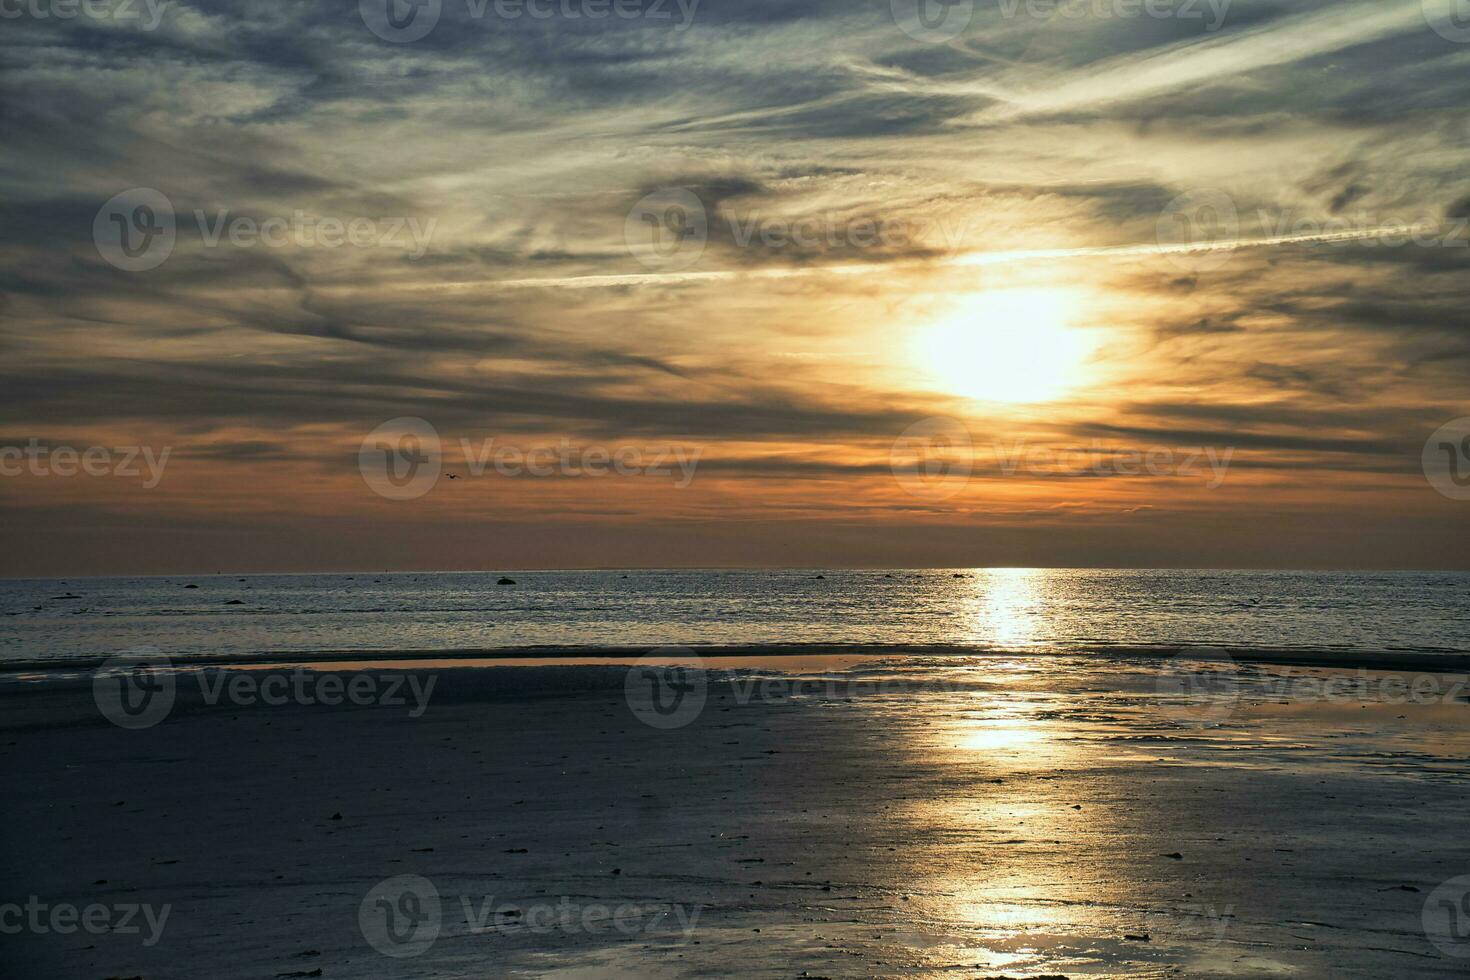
{"points": [[1010, 345]]}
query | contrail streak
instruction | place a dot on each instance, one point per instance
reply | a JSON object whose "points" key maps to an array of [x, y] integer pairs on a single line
{"points": [[962, 260]]}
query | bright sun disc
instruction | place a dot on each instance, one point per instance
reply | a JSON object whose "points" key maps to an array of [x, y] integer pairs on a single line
{"points": [[1013, 345]]}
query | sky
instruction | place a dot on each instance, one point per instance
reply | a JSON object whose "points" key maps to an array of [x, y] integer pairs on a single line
{"points": [[583, 283]]}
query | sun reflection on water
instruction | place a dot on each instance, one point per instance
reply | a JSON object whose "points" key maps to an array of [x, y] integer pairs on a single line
{"points": [[1005, 609]]}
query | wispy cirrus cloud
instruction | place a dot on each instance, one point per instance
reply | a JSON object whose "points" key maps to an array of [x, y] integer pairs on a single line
{"points": [[858, 185]]}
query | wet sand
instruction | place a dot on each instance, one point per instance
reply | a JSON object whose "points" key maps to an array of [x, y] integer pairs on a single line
{"points": [[1002, 816]]}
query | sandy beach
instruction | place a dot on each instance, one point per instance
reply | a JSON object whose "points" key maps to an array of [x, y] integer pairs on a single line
{"points": [[848, 816]]}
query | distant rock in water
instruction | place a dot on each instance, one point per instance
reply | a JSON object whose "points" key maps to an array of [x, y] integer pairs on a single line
{"points": [[235, 602], [191, 585], [821, 576], [506, 581]]}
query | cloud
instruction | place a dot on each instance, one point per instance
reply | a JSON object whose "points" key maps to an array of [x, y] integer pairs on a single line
{"points": [[1031, 153]]}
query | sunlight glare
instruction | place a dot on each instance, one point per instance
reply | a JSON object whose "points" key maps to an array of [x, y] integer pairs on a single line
{"points": [[1012, 345]]}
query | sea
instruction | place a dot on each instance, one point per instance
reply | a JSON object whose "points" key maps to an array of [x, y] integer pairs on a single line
{"points": [[232, 617]]}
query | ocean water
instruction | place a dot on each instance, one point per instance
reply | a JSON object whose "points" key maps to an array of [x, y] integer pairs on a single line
{"points": [[1021, 609]]}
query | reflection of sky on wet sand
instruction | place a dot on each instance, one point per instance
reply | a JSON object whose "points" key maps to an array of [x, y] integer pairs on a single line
{"points": [[999, 733], [1056, 805], [1014, 816], [998, 843], [1034, 801]]}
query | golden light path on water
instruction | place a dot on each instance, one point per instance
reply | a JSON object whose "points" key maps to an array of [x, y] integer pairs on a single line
{"points": [[1005, 608], [1000, 903], [997, 838]]}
